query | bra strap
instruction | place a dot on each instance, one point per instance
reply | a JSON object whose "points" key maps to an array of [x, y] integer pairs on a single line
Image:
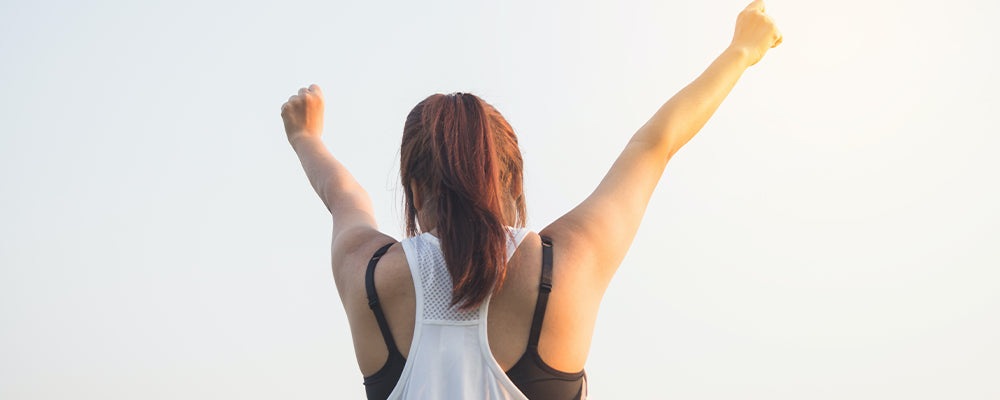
{"points": [[373, 303], [544, 287]]}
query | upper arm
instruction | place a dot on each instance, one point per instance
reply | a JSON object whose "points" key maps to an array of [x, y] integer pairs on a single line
{"points": [[603, 226], [355, 236], [350, 210]]}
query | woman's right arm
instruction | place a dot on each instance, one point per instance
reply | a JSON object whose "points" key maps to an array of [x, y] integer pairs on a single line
{"points": [[603, 226]]}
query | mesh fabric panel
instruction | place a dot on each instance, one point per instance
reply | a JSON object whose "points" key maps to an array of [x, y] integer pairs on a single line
{"points": [[436, 282]]}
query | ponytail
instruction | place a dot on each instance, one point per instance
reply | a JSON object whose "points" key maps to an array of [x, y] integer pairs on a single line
{"points": [[464, 156]]}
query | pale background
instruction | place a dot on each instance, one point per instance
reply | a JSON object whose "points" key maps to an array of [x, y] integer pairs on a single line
{"points": [[833, 232]]}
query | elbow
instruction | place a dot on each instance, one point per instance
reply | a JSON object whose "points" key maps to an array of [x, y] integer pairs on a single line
{"points": [[341, 201], [660, 141]]}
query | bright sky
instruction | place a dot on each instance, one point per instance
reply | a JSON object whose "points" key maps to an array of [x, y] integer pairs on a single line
{"points": [[833, 232]]}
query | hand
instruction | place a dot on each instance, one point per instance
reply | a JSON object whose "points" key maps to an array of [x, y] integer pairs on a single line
{"points": [[755, 32], [303, 113]]}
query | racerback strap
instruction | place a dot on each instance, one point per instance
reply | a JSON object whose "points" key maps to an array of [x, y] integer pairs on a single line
{"points": [[373, 303], [544, 287]]}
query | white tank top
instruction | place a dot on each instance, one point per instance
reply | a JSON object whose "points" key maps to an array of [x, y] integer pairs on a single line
{"points": [[449, 356]]}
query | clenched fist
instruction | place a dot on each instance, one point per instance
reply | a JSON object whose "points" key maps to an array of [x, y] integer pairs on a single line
{"points": [[755, 33], [303, 113]]}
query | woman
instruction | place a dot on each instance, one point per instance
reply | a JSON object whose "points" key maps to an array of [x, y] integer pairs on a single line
{"points": [[472, 304]]}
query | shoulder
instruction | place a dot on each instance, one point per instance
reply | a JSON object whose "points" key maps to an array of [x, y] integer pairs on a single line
{"points": [[351, 251], [576, 257]]}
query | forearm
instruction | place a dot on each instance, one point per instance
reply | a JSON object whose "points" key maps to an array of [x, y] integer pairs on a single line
{"points": [[331, 180], [681, 117]]}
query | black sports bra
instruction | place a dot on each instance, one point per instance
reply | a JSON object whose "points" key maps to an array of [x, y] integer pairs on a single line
{"points": [[531, 375]]}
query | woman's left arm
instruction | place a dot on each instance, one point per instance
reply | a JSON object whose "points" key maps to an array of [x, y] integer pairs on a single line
{"points": [[343, 196]]}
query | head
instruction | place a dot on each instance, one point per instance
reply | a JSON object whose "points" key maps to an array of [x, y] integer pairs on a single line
{"points": [[460, 167]]}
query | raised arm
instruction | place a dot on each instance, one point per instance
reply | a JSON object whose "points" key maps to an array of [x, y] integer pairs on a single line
{"points": [[347, 201], [603, 226]]}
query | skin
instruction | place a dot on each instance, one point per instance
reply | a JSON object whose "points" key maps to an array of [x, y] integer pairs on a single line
{"points": [[589, 242]]}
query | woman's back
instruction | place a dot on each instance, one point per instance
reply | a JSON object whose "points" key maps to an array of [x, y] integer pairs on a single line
{"points": [[509, 317]]}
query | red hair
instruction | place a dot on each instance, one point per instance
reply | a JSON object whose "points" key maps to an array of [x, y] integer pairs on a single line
{"points": [[464, 158]]}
